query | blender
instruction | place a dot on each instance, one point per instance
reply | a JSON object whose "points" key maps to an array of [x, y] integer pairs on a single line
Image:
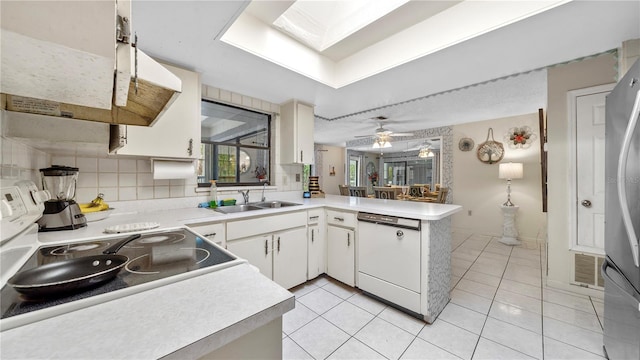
{"points": [[61, 212]]}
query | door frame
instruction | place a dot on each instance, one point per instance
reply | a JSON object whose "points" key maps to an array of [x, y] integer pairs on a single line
{"points": [[572, 97]]}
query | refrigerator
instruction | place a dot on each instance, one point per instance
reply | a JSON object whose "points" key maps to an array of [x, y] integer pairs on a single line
{"points": [[620, 270]]}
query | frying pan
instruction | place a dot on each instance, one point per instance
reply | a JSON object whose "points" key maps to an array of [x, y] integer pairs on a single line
{"points": [[69, 275]]}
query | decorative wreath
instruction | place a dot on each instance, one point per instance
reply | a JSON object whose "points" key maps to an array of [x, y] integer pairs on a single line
{"points": [[520, 137]]}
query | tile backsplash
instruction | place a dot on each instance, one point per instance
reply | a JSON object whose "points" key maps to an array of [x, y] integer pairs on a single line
{"points": [[123, 179], [20, 161]]}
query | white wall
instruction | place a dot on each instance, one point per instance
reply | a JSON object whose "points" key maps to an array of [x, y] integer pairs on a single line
{"points": [[478, 189], [561, 79], [328, 158]]}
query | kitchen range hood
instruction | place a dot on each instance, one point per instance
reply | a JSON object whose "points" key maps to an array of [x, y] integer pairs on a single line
{"points": [[85, 69]]}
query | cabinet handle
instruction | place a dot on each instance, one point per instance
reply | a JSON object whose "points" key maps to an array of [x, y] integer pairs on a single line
{"points": [[266, 247], [312, 232], [301, 156], [313, 217], [278, 243], [348, 239], [338, 218], [212, 234], [190, 148]]}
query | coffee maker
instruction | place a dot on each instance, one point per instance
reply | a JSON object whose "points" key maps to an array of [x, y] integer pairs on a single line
{"points": [[61, 212]]}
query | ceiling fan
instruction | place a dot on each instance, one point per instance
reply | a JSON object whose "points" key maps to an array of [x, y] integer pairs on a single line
{"points": [[382, 136]]}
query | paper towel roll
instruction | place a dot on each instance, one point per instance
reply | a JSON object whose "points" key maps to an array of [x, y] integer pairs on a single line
{"points": [[171, 169]]}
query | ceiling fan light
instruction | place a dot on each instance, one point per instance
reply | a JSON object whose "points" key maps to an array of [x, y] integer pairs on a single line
{"points": [[376, 144], [386, 144]]}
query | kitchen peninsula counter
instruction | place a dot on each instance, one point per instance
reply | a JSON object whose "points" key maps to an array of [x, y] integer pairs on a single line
{"points": [[188, 318], [185, 216], [183, 320]]}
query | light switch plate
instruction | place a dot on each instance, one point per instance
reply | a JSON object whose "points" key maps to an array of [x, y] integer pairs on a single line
{"points": [[297, 177]]}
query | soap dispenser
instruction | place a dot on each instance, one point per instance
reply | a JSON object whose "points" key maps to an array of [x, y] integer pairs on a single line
{"points": [[213, 198]]}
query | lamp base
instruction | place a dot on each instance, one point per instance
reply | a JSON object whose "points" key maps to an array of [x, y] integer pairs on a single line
{"points": [[510, 241], [509, 231]]}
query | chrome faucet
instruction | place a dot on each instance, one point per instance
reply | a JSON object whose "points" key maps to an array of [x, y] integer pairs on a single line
{"points": [[245, 195], [264, 185]]}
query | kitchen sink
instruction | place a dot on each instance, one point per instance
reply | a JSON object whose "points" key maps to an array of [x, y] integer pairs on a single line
{"points": [[237, 208], [274, 204]]}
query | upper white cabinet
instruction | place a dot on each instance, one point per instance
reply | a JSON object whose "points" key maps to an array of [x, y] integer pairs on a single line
{"points": [[176, 134], [296, 133]]}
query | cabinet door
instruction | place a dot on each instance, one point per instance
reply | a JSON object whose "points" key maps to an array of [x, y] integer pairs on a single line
{"points": [[290, 257], [176, 134], [341, 254], [304, 133], [296, 126], [317, 251], [257, 250]]}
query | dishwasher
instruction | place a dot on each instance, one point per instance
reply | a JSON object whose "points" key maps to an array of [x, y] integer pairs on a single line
{"points": [[389, 260]]}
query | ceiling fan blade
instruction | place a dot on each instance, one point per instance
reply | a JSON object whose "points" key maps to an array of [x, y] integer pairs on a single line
{"points": [[401, 134], [364, 136]]}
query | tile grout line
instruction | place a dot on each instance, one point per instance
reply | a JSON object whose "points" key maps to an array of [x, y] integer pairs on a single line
{"points": [[492, 301]]}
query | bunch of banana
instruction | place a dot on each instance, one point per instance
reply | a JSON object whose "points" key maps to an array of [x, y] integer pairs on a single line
{"points": [[95, 205]]}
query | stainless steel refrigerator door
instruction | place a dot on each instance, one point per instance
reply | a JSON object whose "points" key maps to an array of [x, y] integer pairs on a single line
{"points": [[621, 217], [621, 315]]}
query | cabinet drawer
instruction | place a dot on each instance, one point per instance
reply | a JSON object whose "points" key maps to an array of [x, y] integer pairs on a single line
{"points": [[265, 224], [213, 232], [341, 218], [314, 216]]}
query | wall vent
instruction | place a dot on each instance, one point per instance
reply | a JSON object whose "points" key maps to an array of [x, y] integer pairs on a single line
{"points": [[587, 270]]}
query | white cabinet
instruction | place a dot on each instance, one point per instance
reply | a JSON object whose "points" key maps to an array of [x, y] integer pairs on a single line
{"points": [[341, 244], [290, 257], [276, 244], [341, 254], [257, 251], [317, 245], [296, 133], [176, 134], [215, 232], [281, 257]]}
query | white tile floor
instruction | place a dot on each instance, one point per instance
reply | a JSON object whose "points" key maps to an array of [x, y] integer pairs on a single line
{"points": [[499, 309]]}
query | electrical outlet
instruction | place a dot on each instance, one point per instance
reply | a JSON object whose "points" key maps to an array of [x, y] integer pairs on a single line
{"points": [[469, 213], [297, 177]]}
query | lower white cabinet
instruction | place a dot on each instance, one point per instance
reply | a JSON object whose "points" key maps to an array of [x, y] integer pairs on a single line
{"points": [[341, 254], [256, 250], [317, 245], [290, 257], [280, 256], [212, 231]]}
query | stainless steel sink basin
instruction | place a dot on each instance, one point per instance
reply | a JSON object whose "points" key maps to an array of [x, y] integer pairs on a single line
{"points": [[274, 204], [237, 208]]}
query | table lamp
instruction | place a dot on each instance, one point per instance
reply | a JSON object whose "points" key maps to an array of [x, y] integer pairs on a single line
{"points": [[510, 171]]}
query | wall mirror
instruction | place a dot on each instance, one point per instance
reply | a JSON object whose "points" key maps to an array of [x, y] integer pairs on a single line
{"points": [[397, 165]]}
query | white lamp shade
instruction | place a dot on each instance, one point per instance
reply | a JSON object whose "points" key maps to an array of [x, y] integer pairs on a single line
{"points": [[510, 171]]}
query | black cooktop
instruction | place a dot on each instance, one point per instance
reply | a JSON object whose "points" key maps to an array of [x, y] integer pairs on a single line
{"points": [[153, 256]]}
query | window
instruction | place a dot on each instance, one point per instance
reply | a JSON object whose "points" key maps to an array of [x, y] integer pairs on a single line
{"points": [[354, 170], [235, 145]]}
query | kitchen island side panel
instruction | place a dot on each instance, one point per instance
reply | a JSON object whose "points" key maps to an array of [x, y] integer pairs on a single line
{"points": [[436, 240]]}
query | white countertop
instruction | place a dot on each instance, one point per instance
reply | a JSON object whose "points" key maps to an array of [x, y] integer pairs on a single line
{"points": [[205, 311], [186, 216], [208, 311]]}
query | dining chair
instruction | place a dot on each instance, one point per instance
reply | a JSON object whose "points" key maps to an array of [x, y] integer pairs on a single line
{"points": [[416, 190], [442, 194], [358, 191], [344, 190], [383, 192]]}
